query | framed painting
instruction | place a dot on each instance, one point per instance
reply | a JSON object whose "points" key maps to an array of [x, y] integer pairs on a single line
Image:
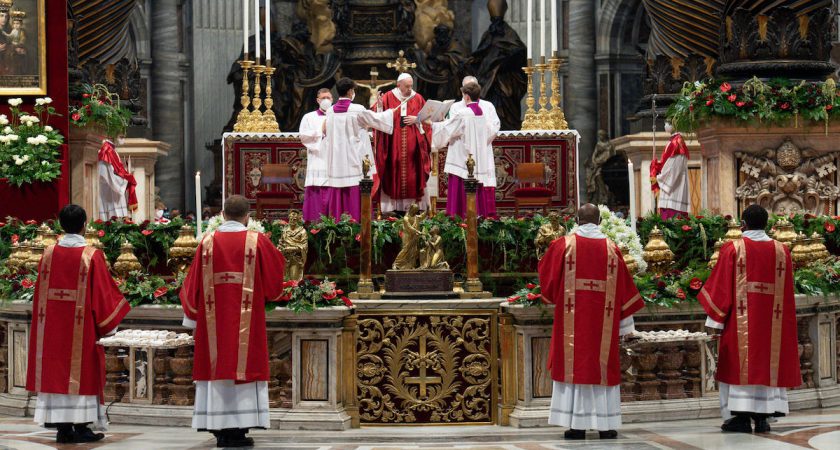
{"points": [[23, 47]]}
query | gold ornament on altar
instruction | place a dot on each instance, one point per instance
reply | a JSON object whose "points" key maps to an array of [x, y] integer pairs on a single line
{"points": [[254, 119], [182, 251], [800, 254], [409, 255], [548, 233], [294, 244], [819, 252], [47, 235], [432, 256], [17, 257], [716, 255], [470, 166], [657, 253], [545, 118], [629, 260], [733, 231], [366, 167], [126, 262], [784, 232], [36, 250], [92, 238]]}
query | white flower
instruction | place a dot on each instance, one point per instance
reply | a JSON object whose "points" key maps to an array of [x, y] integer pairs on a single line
{"points": [[4, 139], [19, 162], [32, 141], [48, 129], [43, 101], [29, 120], [7, 130], [4, 120], [15, 101], [37, 140], [13, 137], [26, 158], [44, 163]]}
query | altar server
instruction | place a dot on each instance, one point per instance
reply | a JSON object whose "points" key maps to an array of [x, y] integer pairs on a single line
{"points": [[345, 145], [749, 296], [488, 108], [76, 302], [234, 273], [316, 167], [468, 131], [584, 275], [669, 177]]}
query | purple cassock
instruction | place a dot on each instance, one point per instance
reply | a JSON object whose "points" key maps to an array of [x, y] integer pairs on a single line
{"points": [[342, 200], [456, 194]]}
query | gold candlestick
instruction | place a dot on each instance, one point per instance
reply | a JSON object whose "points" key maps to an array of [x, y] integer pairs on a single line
{"points": [[544, 114], [256, 113], [558, 118], [270, 124], [243, 118], [530, 114]]}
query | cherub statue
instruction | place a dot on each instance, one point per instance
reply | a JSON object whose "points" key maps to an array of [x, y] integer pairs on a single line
{"points": [[432, 257], [294, 244], [408, 258], [548, 233]]}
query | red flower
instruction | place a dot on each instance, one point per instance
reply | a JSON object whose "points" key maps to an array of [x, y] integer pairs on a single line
{"points": [[98, 221], [695, 284], [698, 217], [829, 107], [680, 294], [740, 104], [31, 222], [347, 301], [359, 237], [146, 232], [661, 285], [160, 292], [514, 299], [686, 228], [128, 221], [352, 220], [315, 230], [283, 222], [392, 219], [85, 95], [101, 102], [462, 225], [2, 224], [76, 116], [100, 233], [725, 87], [727, 217], [732, 98], [26, 283], [691, 107], [786, 106], [118, 281], [15, 239], [339, 292], [290, 283], [829, 227], [530, 285], [710, 102], [330, 296], [268, 234], [533, 297]]}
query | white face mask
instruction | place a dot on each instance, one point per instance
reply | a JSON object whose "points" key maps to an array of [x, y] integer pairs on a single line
{"points": [[353, 97], [325, 104]]}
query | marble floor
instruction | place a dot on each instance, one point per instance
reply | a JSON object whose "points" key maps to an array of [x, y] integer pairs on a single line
{"points": [[811, 429]]}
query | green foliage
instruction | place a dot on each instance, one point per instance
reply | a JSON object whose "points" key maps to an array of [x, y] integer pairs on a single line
{"points": [[674, 287], [29, 146], [143, 289], [101, 108], [692, 239], [18, 285]]}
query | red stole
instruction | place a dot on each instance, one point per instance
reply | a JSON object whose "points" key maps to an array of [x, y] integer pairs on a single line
{"points": [[750, 291], [403, 162], [676, 146], [593, 291], [108, 154], [225, 292], [76, 302]]}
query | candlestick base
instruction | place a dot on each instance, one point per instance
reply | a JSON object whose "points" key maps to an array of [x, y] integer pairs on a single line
{"points": [[257, 124], [269, 121], [557, 118], [530, 121], [243, 119], [544, 114]]}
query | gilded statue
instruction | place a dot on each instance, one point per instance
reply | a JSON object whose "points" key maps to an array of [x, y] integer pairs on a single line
{"points": [[294, 244], [548, 233], [432, 256], [470, 166], [428, 15], [596, 189], [409, 256]]}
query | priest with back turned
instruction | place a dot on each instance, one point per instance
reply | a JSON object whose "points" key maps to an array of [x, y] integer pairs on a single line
{"points": [[76, 302], [749, 296], [584, 275], [234, 273]]}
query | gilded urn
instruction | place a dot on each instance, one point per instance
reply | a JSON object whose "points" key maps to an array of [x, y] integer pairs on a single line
{"points": [[657, 253]]}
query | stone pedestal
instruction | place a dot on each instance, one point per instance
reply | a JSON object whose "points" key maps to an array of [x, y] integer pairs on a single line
{"points": [[670, 361], [628, 379], [646, 359], [116, 381], [181, 390], [419, 284], [691, 372]]}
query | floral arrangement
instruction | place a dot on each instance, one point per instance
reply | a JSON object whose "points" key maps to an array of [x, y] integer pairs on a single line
{"points": [[216, 221], [675, 287], [309, 294], [778, 101], [818, 279], [18, 286], [140, 288], [530, 295], [28, 144], [101, 108], [151, 240]]}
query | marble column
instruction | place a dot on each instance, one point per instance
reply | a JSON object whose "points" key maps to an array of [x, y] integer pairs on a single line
{"points": [[582, 98], [169, 85]]}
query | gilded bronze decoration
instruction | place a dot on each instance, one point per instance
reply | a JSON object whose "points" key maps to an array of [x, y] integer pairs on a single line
{"points": [[426, 368], [657, 254], [409, 255], [294, 243], [432, 256], [788, 179], [548, 233], [183, 250], [126, 262]]}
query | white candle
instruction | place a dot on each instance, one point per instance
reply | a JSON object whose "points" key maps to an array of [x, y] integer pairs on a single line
{"points": [[631, 176], [257, 30], [542, 28], [198, 205], [554, 27], [267, 33], [530, 40], [245, 27]]}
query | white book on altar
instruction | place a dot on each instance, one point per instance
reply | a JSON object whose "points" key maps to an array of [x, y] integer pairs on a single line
{"points": [[435, 110]]}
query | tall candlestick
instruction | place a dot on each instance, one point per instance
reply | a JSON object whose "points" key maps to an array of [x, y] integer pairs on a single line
{"points": [[198, 205], [542, 28], [631, 176], [267, 32], [257, 30], [245, 27], [554, 27], [530, 40]]}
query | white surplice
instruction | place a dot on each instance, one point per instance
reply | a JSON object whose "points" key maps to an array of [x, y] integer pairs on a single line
{"points": [[465, 133], [750, 398], [588, 406], [673, 184], [112, 197], [68, 408], [310, 134], [221, 404], [347, 142]]}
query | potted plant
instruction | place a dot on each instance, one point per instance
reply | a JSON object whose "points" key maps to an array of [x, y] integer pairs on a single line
{"points": [[100, 111]]}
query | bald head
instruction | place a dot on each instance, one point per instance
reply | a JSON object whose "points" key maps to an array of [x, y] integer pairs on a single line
{"points": [[469, 79], [237, 209], [589, 213]]}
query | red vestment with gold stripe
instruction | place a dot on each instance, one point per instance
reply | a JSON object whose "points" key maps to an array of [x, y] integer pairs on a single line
{"points": [[403, 162]]}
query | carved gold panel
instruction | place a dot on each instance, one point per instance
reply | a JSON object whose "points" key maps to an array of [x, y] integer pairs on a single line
{"points": [[427, 368]]}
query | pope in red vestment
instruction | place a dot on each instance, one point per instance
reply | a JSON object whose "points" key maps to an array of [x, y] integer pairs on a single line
{"points": [[402, 159]]}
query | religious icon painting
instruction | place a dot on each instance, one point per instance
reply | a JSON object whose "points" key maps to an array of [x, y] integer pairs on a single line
{"points": [[23, 55]]}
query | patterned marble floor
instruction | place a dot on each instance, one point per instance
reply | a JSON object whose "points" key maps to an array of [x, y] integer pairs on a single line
{"points": [[817, 429]]}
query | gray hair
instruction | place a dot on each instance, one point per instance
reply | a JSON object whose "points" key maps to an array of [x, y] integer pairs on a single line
{"points": [[469, 79]]}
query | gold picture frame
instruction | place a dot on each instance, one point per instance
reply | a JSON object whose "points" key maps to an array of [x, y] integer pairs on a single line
{"points": [[23, 53]]}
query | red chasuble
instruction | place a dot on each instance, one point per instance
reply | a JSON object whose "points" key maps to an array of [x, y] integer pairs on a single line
{"points": [[403, 162], [76, 302], [750, 291], [593, 291], [232, 277]]}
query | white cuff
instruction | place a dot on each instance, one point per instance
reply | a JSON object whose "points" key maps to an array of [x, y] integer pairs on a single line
{"points": [[189, 323], [626, 326], [712, 323]]}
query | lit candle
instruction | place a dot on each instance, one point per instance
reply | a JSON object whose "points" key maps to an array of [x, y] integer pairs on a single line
{"points": [[530, 40], [631, 176], [245, 27], [542, 28], [198, 205], [257, 30], [267, 33], [554, 27]]}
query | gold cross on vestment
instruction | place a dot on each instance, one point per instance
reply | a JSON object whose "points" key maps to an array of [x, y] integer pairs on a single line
{"points": [[401, 64], [423, 364]]}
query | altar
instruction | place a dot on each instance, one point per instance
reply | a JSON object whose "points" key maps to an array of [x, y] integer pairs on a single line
{"points": [[245, 153]]}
